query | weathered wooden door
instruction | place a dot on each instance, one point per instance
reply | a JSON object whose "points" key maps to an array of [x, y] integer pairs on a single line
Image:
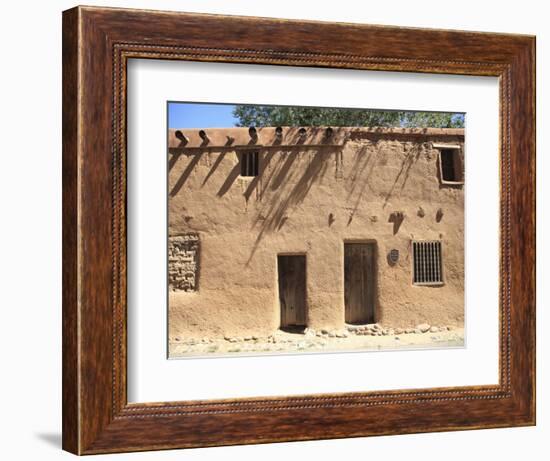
{"points": [[292, 289], [359, 282]]}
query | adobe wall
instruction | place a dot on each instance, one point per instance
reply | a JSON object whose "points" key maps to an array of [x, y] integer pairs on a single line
{"points": [[309, 197]]}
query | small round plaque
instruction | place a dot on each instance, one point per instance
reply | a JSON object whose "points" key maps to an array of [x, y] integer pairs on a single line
{"points": [[394, 256]]}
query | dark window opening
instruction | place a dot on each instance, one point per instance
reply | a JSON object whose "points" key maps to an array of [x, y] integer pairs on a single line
{"points": [[451, 166], [250, 163], [427, 267]]}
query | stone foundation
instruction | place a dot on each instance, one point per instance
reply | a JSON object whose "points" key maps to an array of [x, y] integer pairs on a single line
{"points": [[350, 330], [367, 338]]}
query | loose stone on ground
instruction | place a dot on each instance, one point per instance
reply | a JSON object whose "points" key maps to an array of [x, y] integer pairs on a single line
{"points": [[353, 337]]}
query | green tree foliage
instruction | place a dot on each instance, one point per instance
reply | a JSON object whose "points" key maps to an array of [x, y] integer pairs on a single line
{"points": [[249, 115]]}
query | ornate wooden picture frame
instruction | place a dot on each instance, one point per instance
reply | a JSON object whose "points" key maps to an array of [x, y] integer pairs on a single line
{"points": [[97, 44]]}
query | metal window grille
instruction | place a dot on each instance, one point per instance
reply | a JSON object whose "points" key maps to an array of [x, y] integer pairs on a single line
{"points": [[427, 263], [250, 163]]}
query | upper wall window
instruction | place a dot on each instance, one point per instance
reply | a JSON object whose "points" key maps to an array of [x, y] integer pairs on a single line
{"points": [[250, 162], [451, 170]]}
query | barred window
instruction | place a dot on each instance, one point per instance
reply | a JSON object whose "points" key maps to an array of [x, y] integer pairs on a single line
{"points": [[427, 263], [250, 163]]}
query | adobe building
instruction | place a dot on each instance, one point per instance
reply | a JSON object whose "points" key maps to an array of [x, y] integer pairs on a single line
{"points": [[285, 227]]}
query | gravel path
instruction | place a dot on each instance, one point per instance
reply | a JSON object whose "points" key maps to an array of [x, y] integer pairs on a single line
{"points": [[366, 338]]}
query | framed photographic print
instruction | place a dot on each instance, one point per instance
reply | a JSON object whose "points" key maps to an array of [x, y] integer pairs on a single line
{"points": [[310, 204], [285, 230]]}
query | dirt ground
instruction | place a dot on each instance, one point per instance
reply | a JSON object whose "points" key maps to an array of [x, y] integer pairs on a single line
{"points": [[368, 338]]}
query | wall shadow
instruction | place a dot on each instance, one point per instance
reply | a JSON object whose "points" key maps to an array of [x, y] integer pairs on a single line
{"points": [[219, 159], [231, 177], [410, 159], [265, 160], [186, 173], [283, 171], [173, 159], [363, 161], [290, 178], [274, 214]]}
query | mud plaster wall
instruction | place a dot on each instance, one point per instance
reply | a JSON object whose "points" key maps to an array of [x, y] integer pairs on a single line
{"points": [[310, 200]]}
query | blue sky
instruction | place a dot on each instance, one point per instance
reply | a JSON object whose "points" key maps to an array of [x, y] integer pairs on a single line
{"points": [[201, 115], [197, 115]]}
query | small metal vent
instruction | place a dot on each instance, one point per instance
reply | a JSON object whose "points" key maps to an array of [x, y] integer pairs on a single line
{"points": [[427, 268]]}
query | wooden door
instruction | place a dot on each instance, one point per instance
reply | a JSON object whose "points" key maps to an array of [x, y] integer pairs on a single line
{"points": [[292, 289], [359, 282]]}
